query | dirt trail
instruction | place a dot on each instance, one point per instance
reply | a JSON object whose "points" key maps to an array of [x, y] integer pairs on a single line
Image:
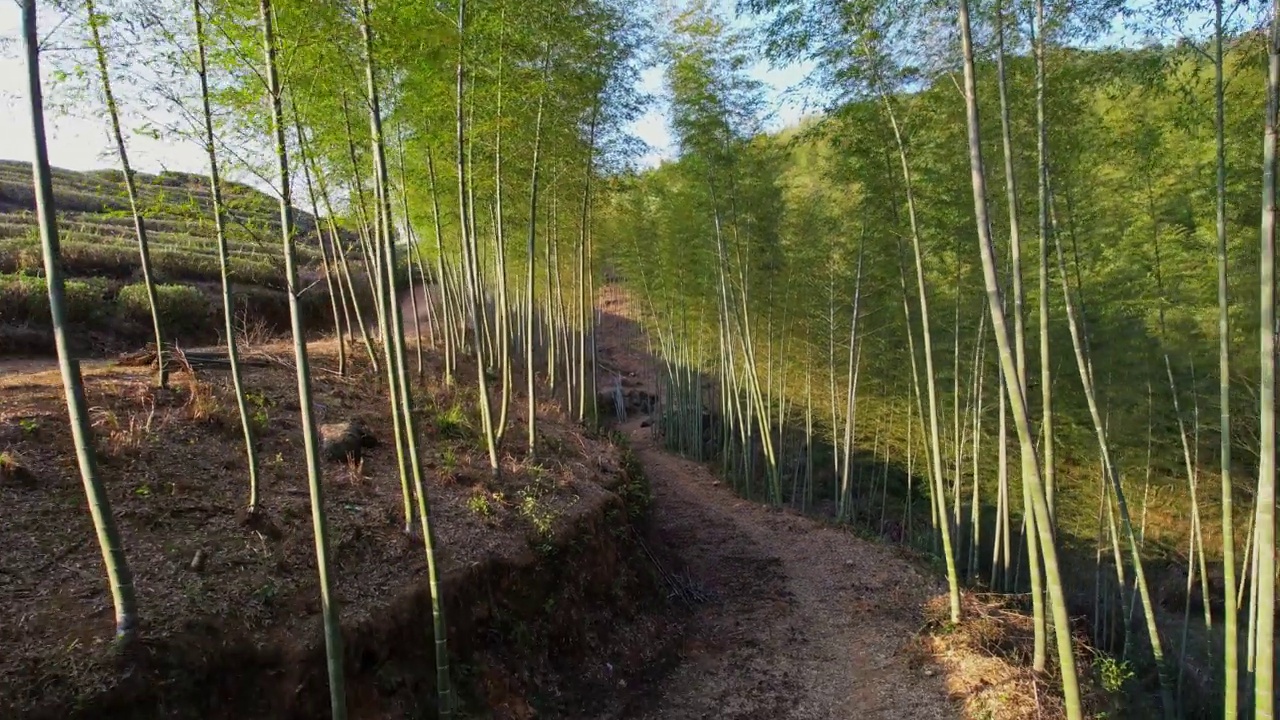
{"points": [[802, 620], [27, 365]]}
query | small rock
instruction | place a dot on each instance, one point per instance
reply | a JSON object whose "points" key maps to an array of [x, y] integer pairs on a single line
{"points": [[197, 562], [928, 672]]}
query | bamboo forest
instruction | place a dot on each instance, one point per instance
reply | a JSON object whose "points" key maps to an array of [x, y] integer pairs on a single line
{"points": [[603, 360]]}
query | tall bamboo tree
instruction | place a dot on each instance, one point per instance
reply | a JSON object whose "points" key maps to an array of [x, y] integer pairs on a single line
{"points": [[1265, 532], [402, 391], [310, 437], [228, 305], [1057, 599], [119, 577], [1231, 633], [131, 188]]}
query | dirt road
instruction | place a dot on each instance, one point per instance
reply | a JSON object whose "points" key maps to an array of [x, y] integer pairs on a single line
{"points": [[801, 620]]}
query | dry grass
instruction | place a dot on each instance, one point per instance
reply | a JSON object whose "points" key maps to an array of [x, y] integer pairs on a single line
{"points": [[986, 662], [977, 672], [116, 436]]}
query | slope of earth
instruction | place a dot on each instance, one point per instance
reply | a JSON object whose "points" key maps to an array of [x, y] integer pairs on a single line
{"points": [[798, 618], [552, 607], [100, 259]]}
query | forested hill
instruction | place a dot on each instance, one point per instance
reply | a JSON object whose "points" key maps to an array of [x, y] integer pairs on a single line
{"points": [[830, 277], [1133, 176]]}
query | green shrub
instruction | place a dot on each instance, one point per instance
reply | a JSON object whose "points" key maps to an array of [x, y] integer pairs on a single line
{"points": [[452, 422], [183, 308], [18, 191], [178, 264], [24, 299], [29, 260], [90, 202], [97, 258], [84, 299], [10, 230]]}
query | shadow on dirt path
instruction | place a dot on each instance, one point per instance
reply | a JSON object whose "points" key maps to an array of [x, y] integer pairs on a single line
{"points": [[800, 620]]}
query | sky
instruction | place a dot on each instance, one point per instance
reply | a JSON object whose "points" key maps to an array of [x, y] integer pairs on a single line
{"points": [[80, 141]]}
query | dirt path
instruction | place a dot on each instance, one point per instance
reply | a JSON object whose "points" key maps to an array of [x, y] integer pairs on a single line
{"points": [[27, 365], [802, 620]]}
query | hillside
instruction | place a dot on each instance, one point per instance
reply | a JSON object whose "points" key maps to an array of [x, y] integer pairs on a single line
{"points": [[826, 297], [99, 253], [231, 602], [955, 397]]}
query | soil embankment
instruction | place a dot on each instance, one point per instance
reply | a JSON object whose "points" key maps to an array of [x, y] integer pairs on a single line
{"points": [[555, 609]]}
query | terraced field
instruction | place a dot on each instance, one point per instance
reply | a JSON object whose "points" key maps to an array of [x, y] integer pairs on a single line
{"points": [[100, 257]]}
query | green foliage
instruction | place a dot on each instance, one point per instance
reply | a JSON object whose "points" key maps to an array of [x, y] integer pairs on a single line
{"points": [[531, 502], [480, 505], [25, 300], [259, 409], [182, 308], [1113, 673], [452, 422], [635, 490], [1133, 174]]}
